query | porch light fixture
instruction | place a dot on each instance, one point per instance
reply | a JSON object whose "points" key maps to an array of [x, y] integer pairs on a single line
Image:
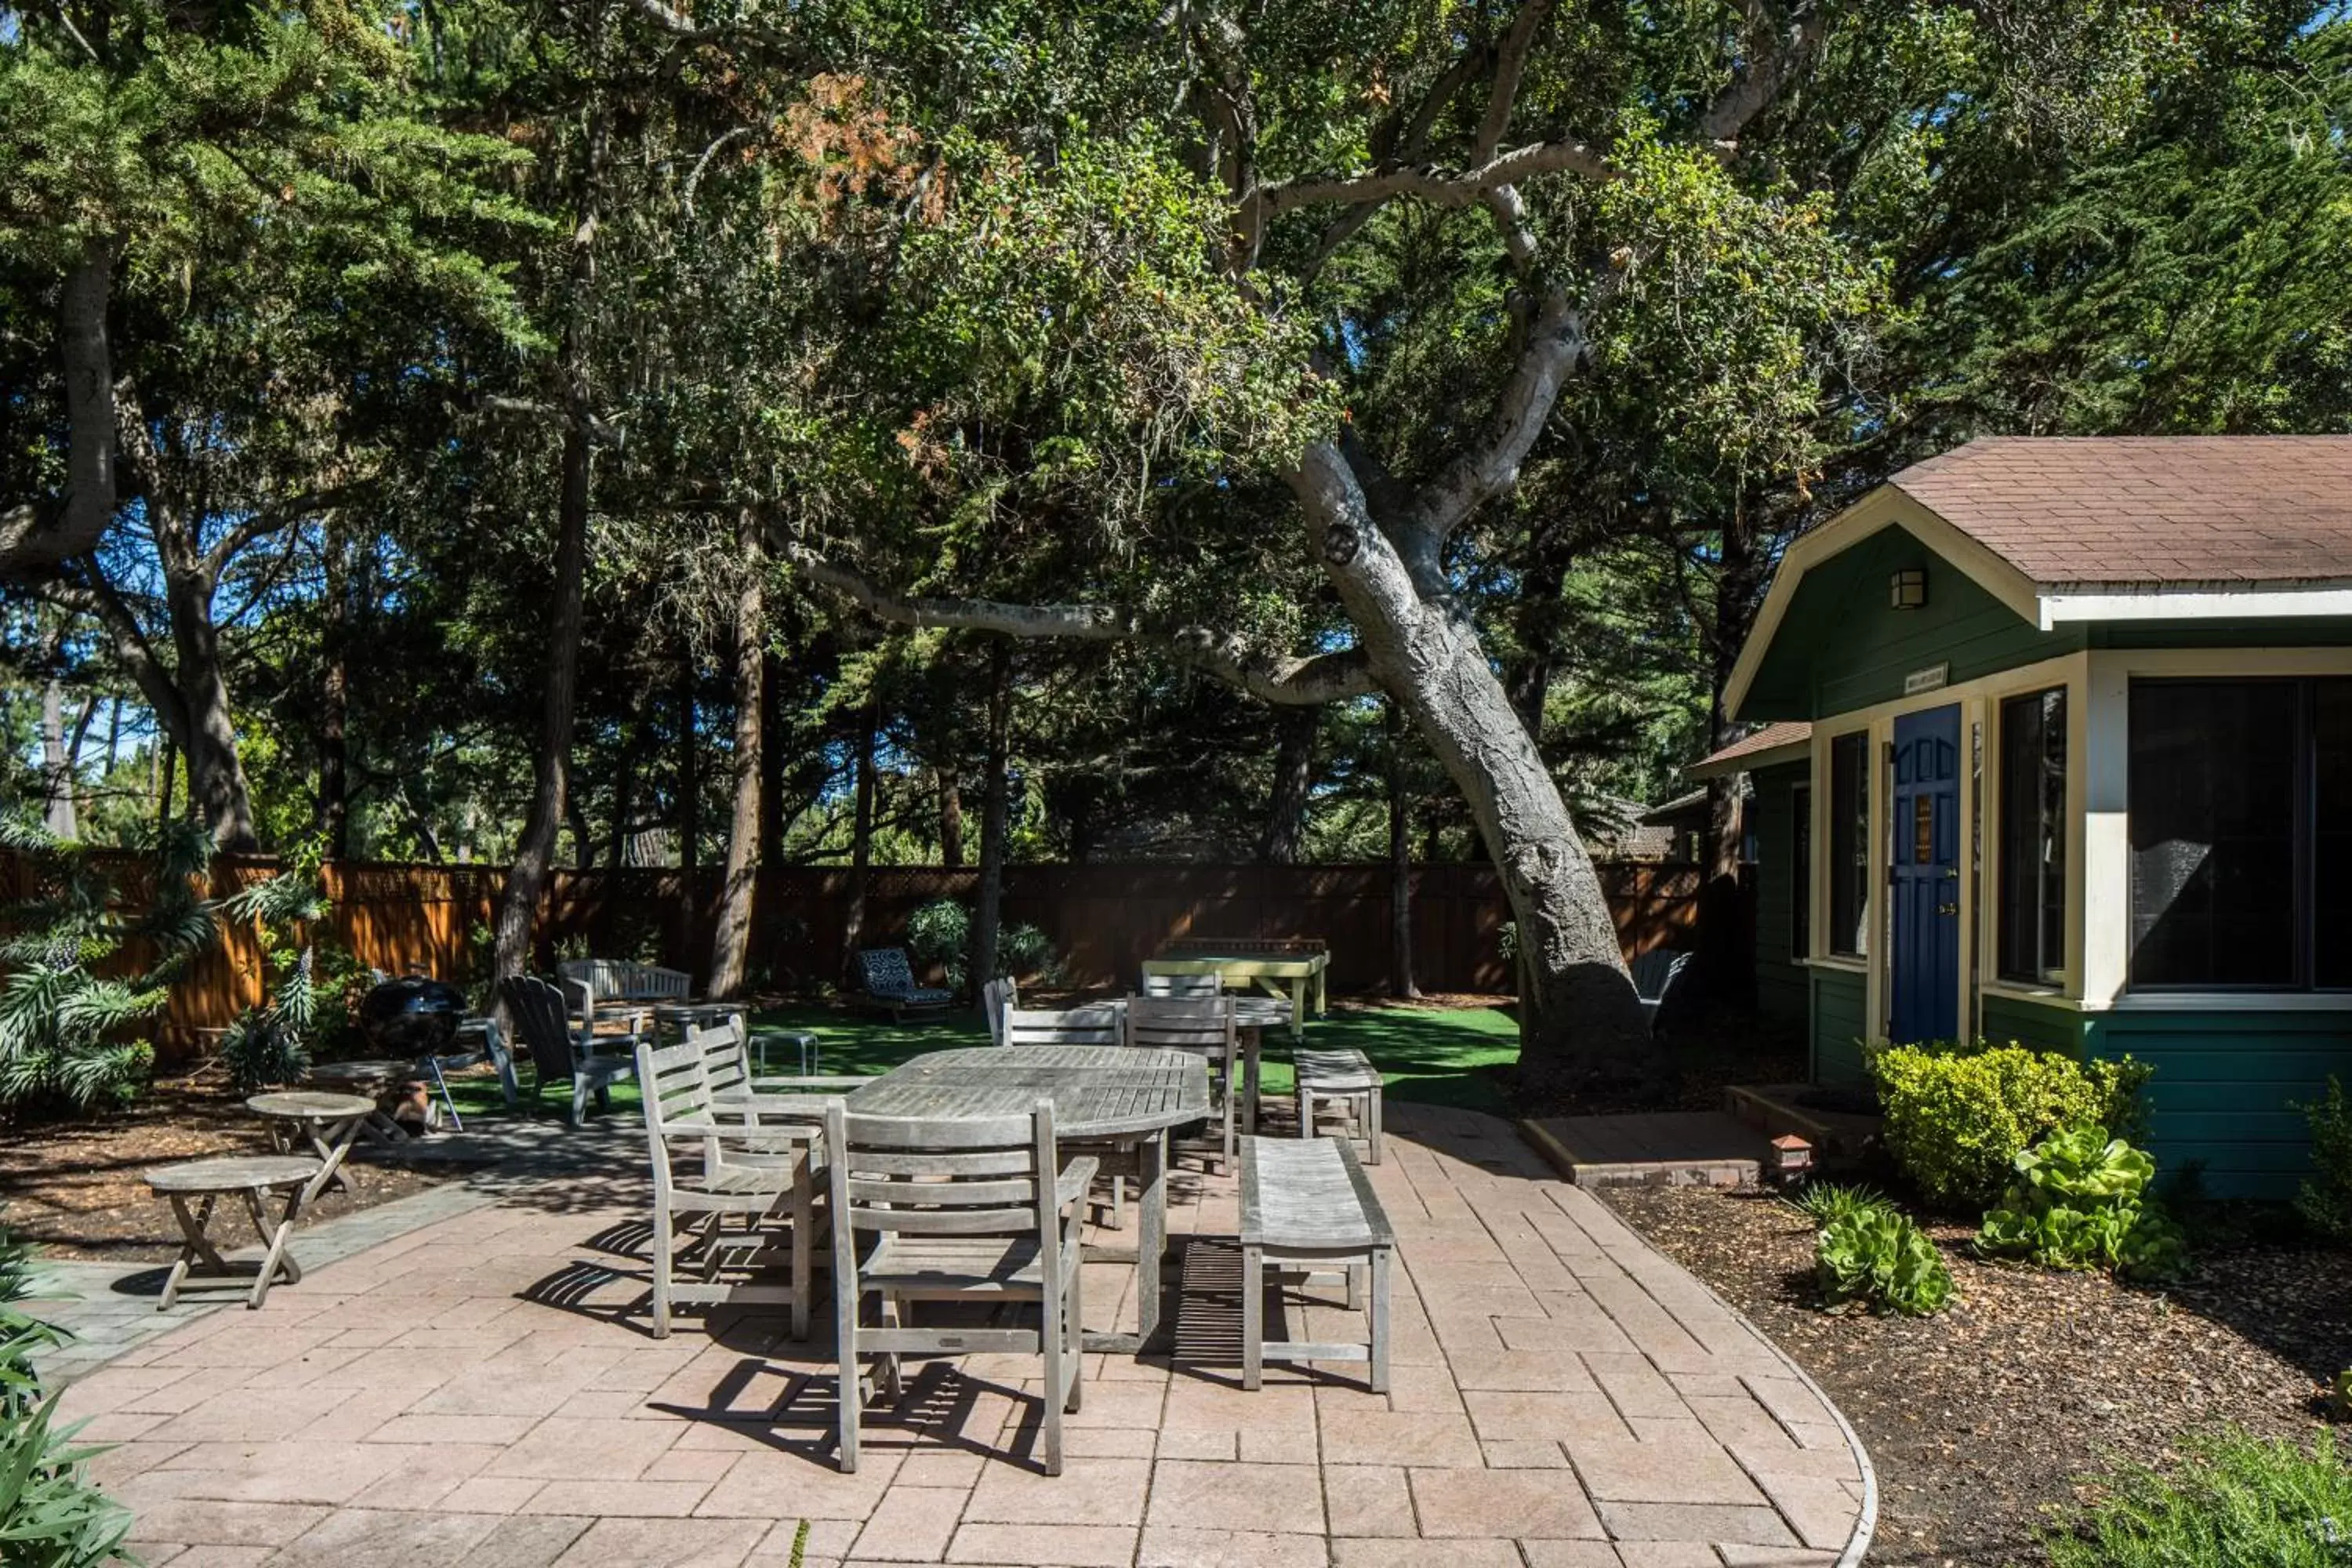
{"points": [[1792, 1157], [1909, 588]]}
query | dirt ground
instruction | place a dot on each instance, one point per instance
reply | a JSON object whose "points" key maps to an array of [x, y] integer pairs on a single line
{"points": [[1984, 1419], [74, 1187]]}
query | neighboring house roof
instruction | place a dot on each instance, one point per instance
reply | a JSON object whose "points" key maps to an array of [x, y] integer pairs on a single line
{"points": [[1665, 811], [1791, 741], [2110, 528]]}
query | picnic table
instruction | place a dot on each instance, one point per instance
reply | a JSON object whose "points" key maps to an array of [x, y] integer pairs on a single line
{"points": [[329, 1123], [1294, 972], [1121, 1094]]}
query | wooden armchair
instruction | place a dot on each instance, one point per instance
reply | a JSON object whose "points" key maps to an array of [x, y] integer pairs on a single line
{"points": [[558, 1051]]}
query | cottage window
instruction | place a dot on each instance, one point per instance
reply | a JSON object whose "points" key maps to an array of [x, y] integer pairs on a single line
{"points": [[1800, 892], [1849, 865], [2033, 837], [2240, 791]]}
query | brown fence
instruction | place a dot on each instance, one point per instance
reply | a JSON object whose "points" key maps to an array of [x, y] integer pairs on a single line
{"points": [[1103, 920]]}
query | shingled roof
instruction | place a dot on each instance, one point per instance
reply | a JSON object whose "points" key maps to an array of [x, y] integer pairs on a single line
{"points": [[2133, 510], [1780, 742]]}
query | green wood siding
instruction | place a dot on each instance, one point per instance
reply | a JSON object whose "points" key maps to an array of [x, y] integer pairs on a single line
{"points": [[1838, 1003], [1779, 979], [1842, 645], [2225, 1084]]}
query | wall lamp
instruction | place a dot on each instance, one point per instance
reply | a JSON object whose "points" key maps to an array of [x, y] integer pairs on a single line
{"points": [[1908, 590]]}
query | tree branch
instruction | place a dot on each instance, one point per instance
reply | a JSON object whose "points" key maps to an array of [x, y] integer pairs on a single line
{"points": [[96, 598], [28, 541], [1438, 186], [1320, 678], [1510, 64], [1774, 61]]}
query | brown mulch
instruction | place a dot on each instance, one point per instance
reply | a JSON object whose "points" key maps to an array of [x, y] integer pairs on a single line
{"points": [[1983, 1419], [74, 1187]]}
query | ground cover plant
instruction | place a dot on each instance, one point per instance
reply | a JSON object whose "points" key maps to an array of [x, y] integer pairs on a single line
{"points": [[51, 1515], [2325, 1199], [1874, 1256], [2234, 1501], [1958, 1116], [2080, 1200]]}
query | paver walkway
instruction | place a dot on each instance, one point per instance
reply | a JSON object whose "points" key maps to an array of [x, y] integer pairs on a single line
{"points": [[482, 1390]]}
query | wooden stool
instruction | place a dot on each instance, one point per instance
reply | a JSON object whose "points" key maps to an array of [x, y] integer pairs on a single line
{"points": [[255, 1176], [1307, 1210], [1346, 1079]]}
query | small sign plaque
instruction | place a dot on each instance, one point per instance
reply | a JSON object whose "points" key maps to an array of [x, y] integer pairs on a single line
{"points": [[1931, 679]]}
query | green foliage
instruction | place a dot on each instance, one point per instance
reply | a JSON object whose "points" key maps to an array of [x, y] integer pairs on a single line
{"points": [[2325, 1200], [2234, 1501], [1958, 1117], [1826, 1203], [1874, 1257], [70, 994], [2081, 1201], [271, 1043], [50, 1516], [940, 932]]}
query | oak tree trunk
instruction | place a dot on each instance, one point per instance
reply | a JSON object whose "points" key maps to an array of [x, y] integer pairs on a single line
{"points": [[730, 937], [1401, 975], [56, 772], [951, 820], [1283, 839], [988, 916], [861, 845], [216, 781]]}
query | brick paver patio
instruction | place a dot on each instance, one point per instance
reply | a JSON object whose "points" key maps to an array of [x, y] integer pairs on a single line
{"points": [[483, 1390]]}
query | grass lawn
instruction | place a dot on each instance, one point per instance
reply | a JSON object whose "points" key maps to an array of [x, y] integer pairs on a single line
{"points": [[1429, 1054]]}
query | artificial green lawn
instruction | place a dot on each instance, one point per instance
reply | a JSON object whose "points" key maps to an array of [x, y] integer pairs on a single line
{"points": [[1433, 1056]]}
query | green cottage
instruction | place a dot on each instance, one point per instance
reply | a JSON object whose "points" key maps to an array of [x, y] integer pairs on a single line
{"points": [[2055, 746]]}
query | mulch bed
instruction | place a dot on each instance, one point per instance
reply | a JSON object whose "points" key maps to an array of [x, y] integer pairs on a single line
{"points": [[1982, 1420], [74, 1187]]}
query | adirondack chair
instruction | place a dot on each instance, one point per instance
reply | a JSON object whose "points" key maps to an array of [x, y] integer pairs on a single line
{"points": [[1655, 974], [965, 1209], [559, 1051], [889, 982], [1205, 1027], [711, 1158], [998, 997]]}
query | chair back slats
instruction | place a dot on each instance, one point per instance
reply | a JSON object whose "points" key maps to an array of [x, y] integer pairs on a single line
{"points": [[540, 1017], [943, 1162], [1183, 985], [725, 1058], [1094, 1025], [673, 1080], [1201, 1027], [945, 1175], [625, 980], [998, 997]]}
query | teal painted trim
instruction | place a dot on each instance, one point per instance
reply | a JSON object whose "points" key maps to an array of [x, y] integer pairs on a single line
{"points": [[2035, 1024], [2226, 1086], [1780, 989], [1839, 1001]]}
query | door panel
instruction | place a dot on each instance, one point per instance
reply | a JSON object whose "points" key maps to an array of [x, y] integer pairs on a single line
{"points": [[1924, 856]]}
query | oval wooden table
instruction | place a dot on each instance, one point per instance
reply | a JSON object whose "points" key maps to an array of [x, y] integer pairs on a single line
{"points": [[1101, 1094], [327, 1121], [252, 1177]]}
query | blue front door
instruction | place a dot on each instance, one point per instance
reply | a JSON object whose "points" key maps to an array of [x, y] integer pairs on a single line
{"points": [[1924, 858]]}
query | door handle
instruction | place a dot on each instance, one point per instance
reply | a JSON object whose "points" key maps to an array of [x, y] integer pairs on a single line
{"points": [[1947, 908]]}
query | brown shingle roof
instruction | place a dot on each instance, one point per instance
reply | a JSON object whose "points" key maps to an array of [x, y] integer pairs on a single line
{"points": [[1731, 758], [2145, 509]]}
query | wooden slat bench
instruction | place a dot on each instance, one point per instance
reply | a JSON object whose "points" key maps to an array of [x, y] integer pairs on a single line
{"points": [[1307, 1210], [1346, 1079]]}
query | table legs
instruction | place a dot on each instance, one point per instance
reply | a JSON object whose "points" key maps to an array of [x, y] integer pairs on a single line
{"points": [[195, 1245], [1253, 1050], [1150, 1252]]}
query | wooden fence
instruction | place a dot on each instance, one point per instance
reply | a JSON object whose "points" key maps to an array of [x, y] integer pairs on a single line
{"points": [[1103, 920]]}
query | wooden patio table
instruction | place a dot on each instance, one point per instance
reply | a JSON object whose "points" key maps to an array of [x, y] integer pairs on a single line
{"points": [[1101, 1094], [328, 1122]]}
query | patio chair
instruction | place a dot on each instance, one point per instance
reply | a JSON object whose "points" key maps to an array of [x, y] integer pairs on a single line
{"points": [[1201, 1027], [998, 997], [1655, 974], [558, 1053], [889, 982], [1193, 985], [977, 1210], [1095, 1024], [711, 1160]]}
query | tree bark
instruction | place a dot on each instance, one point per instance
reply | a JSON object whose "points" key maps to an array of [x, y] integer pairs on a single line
{"points": [[730, 941], [689, 776], [57, 771], [333, 816], [951, 820], [1294, 778], [861, 845], [1737, 586], [215, 773], [995, 815], [1401, 976], [30, 541], [163, 792], [772, 759]]}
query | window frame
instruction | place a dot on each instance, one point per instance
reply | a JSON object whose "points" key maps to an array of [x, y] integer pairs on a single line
{"points": [[1801, 881], [1838, 866], [2303, 843], [2039, 976]]}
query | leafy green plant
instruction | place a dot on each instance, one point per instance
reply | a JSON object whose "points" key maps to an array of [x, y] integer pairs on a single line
{"points": [[271, 1043], [2325, 1200], [79, 979], [940, 932], [2081, 1201], [1825, 1203], [1877, 1258], [50, 1516], [1958, 1116], [2235, 1501]]}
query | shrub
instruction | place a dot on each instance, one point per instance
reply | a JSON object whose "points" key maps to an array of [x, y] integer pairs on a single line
{"points": [[50, 1516], [1875, 1257], [1825, 1203], [2234, 1501], [1958, 1117], [2081, 1201], [940, 932], [2326, 1198]]}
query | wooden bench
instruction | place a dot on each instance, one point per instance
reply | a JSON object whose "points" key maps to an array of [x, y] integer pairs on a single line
{"points": [[252, 1177], [1342, 1080], [1309, 1211]]}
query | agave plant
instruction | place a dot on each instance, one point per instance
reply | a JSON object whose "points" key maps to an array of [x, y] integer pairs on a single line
{"points": [[72, 992]]}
